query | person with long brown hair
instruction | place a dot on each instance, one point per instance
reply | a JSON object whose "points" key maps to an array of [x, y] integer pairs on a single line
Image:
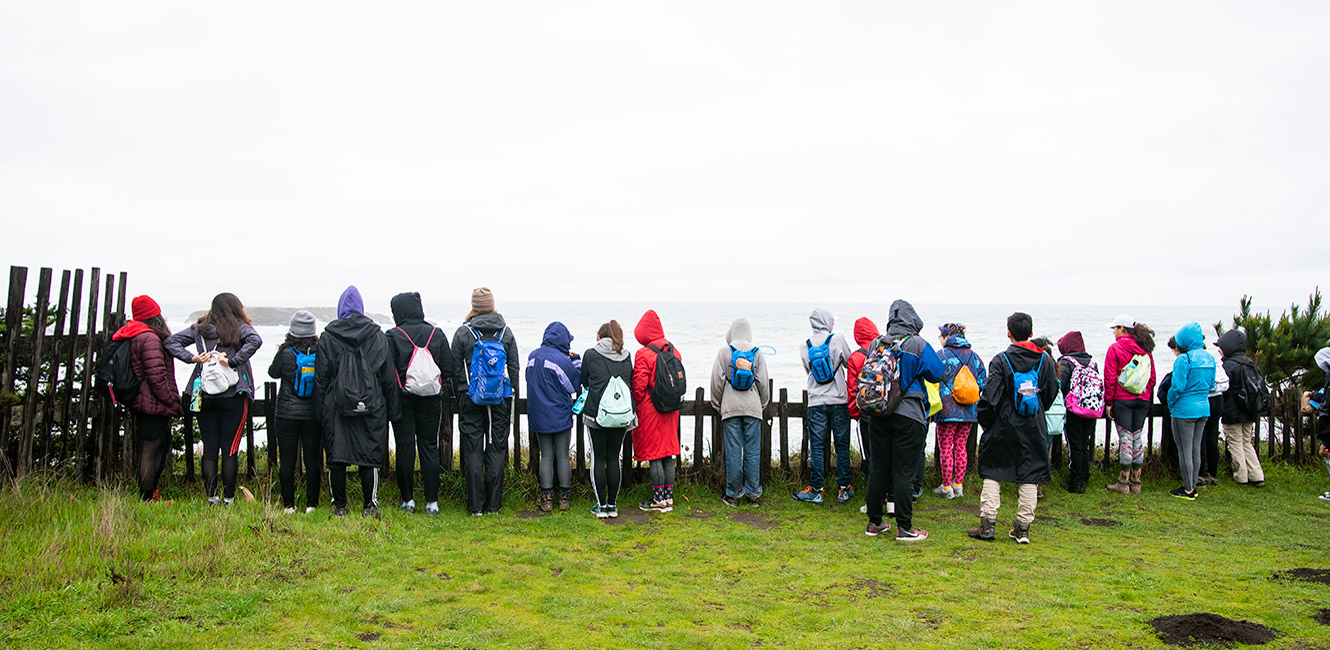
{"points": [[158, 399], [224, 336], [601, 363]]}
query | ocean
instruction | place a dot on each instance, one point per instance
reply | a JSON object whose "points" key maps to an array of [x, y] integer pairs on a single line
{"points": [[698, 330]]}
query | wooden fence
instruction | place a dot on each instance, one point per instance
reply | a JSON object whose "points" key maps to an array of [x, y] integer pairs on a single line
{"points": [[61, 423]]}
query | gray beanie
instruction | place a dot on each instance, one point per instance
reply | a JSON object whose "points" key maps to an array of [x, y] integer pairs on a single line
{"points": [[302, 324]]}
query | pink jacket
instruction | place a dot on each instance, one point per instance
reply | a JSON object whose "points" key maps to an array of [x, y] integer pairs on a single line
{"points": [[1118, 356]]}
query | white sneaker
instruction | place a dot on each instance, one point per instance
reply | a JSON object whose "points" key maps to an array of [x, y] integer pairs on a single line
{"points": [[943, 491], [1325, 497], [863, 509], [309, 509], [289, 511], [959, 490]]}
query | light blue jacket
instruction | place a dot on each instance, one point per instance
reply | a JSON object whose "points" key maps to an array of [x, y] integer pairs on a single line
{"points": [[1193, 375]]}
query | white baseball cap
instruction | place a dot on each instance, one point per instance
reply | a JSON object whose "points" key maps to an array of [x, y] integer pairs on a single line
{"points": [[1123, 320]]}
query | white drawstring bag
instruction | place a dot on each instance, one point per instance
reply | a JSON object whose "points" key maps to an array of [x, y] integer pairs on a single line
{"points": [[216, 377]]}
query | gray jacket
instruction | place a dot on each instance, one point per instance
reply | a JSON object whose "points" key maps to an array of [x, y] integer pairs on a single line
{"points": [[831, 393], [183, 345], [725, 398]]}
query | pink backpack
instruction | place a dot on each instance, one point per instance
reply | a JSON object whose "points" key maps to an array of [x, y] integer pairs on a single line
{"points": [[1086, 397]]}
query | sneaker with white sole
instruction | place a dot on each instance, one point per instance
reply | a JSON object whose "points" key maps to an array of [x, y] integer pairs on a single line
{"points": [[959, 490], [289, 511], [877, 529], [809, 495], [1324, 497], [945, 491], [309, 509], [911, 535]]}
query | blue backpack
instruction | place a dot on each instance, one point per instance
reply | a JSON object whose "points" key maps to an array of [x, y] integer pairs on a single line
{"points": [[819, 361], [488, 384], [741, 378], [1025, 387], [302, 383]]}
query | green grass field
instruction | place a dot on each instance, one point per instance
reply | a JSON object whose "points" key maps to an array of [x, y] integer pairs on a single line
{"points": [[84, 568]]}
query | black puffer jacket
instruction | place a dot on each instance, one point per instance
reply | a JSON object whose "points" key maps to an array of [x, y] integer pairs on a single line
{"points": [[1233, 344], [359, 439], [411, 326], [1014, 447], [290, 406]]}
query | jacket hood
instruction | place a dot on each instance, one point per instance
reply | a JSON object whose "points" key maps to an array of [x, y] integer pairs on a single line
{"points": [[648, 329], [557, 337], [903, 320], [350, 303], [1128, 342], [865, 331], [133, 328], [605, 347], [488, 321], [1070, 343], [821, 320], [1323, 359], [1233, 342], [740, 334], [956, 341], [1189, 337], [406, 308], [355, 328]]}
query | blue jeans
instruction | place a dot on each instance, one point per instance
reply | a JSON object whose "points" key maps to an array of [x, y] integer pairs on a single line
{"points": [[743, 449], [837, 418]]}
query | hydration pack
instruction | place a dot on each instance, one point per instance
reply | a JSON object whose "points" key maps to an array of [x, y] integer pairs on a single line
{"points": [[741, 377], [819, 361], [488, 382], [1025, 387], [302, 382]]}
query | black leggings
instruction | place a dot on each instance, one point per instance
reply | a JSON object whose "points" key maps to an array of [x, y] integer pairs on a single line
{"points": [[1130, 414], [293, 437], [369, 485], [606, 477], [222, 425], [154, 447], [418, 428]]}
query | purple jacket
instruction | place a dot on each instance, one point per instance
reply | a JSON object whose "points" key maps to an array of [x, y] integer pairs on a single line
{"points": [[552, 376]]}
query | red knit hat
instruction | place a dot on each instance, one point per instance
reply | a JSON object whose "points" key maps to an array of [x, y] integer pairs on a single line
{"points": [[144, 308]]}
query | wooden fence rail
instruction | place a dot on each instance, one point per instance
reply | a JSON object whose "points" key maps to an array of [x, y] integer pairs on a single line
{"points": [[59, 422]]}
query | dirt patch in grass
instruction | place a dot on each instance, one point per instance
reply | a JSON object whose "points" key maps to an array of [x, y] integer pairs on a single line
{"points": [[873, 588], [529, 514], [367, 636], [629, 515], [963, 507], [554, 573], [1211, 629], [752, 520], [1304, 574], [1322, 617], [702, 515], [1103, 523], [1046, 520]]}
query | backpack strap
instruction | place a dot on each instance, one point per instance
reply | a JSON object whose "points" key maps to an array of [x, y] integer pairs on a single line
{"points": [[431, 338], [408, 336]]}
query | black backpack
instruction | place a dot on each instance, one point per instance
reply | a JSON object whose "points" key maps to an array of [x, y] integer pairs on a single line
{"points": [[356, 391], [115, 372], [1253, 393], [668, 391]]}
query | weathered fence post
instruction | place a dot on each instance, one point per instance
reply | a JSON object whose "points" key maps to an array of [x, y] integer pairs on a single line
{"points": [[784, 411], [189, 436], [67, 428], [700, 464], [517, 427], [85, 431], [270, 426], [765, 473], [28, 428], [53, 375], [803, 452]]}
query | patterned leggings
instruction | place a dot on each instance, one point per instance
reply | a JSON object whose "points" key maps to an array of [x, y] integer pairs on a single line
{"points": [[951, 438], [1129, 419]]}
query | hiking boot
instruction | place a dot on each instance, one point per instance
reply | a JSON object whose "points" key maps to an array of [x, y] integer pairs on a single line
{"points": [[1039, 493], [1123, 484], [945, 491], [985, 531], [371, 511], [545, 502], [1020, 533], [911, 535], [1182, 493], [564, 500], [845, 494], [730, 501], [809, 495], [339, 511], [1135, 481], [877, 529]]}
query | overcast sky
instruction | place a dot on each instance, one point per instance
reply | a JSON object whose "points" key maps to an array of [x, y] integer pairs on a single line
{"points": [[1050, 152]]}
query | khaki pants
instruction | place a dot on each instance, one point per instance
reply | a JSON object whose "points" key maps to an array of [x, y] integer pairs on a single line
{"points": [[1246, 466], [991, 499]]}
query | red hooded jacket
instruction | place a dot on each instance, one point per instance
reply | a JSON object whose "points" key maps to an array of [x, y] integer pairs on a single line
{"points": [[865, 331], [158, 394], [1118, 356], [657, 434]]}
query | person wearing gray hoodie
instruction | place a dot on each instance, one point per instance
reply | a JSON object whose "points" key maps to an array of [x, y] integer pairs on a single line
{"points": [[739, 391], [604, 361], [825, 356]]}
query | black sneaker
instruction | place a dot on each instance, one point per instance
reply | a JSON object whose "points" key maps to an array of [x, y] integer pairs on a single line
{"points": [[371, 511], [911, 535], [754, 501], [730, 501], [1256, 483], [1182, 493]]}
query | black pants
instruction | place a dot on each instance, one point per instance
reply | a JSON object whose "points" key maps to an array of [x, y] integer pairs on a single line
{"points": [[1079, 433], [418, 428], [293, 437], [606, 477], [484, 444], [369, 485], [897, 442], [222, 426], [1210, 439], [154, 446]]}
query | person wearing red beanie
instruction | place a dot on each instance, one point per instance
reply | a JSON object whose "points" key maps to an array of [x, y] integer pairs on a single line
{"points": [[158, 399]]}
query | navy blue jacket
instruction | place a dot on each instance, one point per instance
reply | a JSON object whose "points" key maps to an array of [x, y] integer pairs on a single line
{"points": [[552, 376]]}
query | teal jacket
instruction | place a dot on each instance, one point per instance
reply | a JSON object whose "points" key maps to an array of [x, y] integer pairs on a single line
{"points": [[1193, 375]]}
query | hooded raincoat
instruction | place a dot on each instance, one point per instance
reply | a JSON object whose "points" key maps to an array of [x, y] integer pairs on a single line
{"points": [[865, 331], [725, 398], [354, 439], [1193, 375], [552, 376], [657, 434], [956, 353], [832, 392], [1014, 447], [1237, 364], [411, 330], [918, 362]]}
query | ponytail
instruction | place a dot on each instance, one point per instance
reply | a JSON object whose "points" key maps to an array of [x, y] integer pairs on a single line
{"points": [[614, 332], [1145, 337]]}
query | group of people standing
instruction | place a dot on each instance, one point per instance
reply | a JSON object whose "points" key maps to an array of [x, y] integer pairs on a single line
{"points": [[340, 391]]}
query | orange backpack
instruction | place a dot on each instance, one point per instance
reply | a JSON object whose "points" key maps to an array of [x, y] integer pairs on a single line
{"points": [[964, 388]]}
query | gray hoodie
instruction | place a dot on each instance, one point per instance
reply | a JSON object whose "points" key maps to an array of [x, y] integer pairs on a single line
{"points": [[831, 393], [725, 398]]}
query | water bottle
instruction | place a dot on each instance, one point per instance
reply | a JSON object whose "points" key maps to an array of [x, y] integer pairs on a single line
{"points": [[196, 395]]}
